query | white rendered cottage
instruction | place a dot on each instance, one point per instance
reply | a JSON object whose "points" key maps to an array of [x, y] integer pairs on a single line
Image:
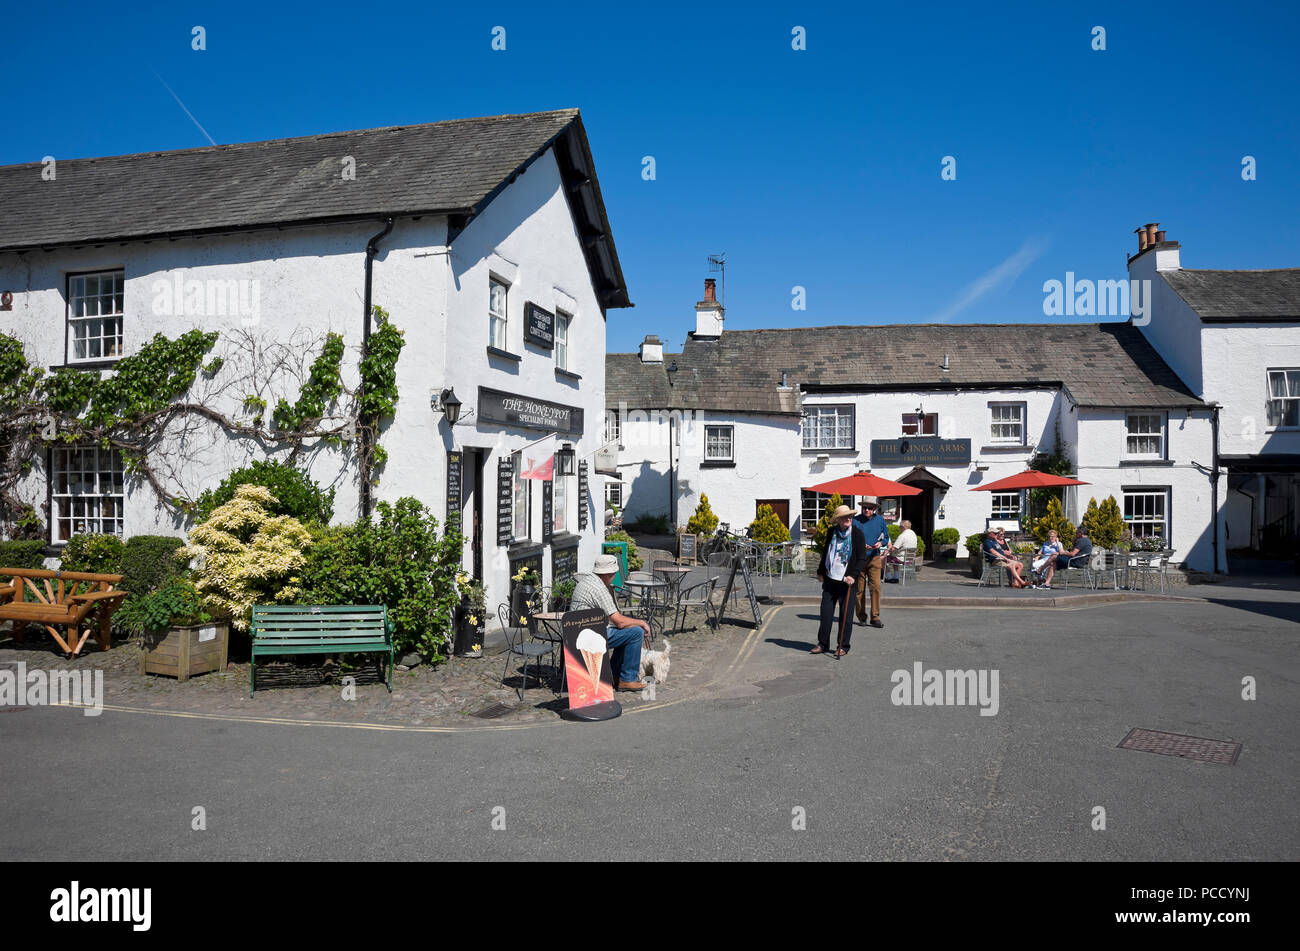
{"points": [[485, 240]]}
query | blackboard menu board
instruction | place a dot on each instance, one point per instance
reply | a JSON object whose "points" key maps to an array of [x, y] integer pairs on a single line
{"points": [[686, 548], [548, 512], [564, 563], [529, 561], [582, 496], [505, 508], [539, 326], [453, 491]]}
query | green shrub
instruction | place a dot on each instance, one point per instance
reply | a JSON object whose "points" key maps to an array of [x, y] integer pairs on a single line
{"points": [[973, 542], [633, 557], [101, 554], [296, 495], [895, 530], [22, 554], [768, 527], [150, 561], [654, 524], [176, 604], [1105, 522], [396, 560], [703, 522], [1054, 519], [945, 536]]}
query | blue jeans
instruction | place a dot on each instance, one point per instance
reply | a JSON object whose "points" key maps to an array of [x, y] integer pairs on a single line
{"points": [[625, 651]]}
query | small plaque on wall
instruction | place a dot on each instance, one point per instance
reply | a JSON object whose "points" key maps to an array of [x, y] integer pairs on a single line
{"points": [[539, 326], [582, 496], [505, 499]]}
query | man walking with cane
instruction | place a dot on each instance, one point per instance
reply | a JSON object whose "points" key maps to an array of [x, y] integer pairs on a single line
{"points": [[841, 565], [875, 533]]}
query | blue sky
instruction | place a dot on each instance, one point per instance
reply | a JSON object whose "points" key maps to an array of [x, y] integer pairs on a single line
{"points": [[817, 168]]}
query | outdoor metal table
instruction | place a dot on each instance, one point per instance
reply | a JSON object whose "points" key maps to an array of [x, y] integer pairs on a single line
{"points": [[673, 575], [550, 629], [648, 603]]}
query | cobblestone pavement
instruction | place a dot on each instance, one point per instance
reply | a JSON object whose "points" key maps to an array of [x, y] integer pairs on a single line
{"points": [[446, 695]]}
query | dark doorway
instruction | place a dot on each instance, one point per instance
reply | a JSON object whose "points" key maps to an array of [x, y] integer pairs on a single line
{"points": [[780, 506], [474, 460], [919, 509]]}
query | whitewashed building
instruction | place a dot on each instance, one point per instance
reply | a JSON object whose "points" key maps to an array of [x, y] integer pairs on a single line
{"points": [[485, 240], [1234, 337], [942, 407]]}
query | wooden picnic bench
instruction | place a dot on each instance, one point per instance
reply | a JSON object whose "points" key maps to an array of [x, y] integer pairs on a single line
{"points": [[63, 600], [320, 629]]}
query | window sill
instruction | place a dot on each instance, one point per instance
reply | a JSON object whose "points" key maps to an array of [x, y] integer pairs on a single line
{"points": [[87, 364], [1006, 447], [840, 451], [717, 465], [1145, 462], [504, 354], [567, 374], [523, 549]]}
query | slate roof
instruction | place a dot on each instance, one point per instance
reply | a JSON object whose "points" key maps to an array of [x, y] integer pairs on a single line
{"points": [[451, 168], [1247, 296], [1102, 365]]}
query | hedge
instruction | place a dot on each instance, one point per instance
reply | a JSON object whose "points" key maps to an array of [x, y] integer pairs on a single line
{"points": [[100, 554], [27, 554], [149, 562]]}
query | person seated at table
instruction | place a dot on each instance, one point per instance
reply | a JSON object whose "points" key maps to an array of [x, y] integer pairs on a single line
{"points": [[1047, 557], [997, 551], [1075, 557], [623, 634], [906, 540]]}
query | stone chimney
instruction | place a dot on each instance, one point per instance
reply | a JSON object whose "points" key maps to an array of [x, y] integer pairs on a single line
{"points": [[652, 349], [1164, 253], [708, 312]]}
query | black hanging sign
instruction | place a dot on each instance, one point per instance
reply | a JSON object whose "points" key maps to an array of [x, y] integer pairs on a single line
{"points": [[539, 326], [505, 500], [548, 512], [496, 406], [582, 496], [453, 491]]}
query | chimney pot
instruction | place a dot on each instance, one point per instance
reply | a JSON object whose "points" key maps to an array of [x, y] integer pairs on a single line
{"points": [[710, 289], [1142, 239], [1151, 231], [1160, 237]]}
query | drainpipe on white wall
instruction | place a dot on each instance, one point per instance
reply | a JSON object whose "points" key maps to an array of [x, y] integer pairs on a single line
{"points": [[372, 248]]}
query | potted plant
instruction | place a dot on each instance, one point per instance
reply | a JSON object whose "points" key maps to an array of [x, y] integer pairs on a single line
{"points": [[471, 617], [526, 581], [561, 593], [976, 559], [944, 543], [181, 638]]}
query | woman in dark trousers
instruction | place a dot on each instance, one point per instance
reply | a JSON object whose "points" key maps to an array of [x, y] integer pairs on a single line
{"points": [[842, 563]]}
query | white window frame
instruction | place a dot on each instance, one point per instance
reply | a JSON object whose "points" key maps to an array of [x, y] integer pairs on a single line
{"points": [[521, 500], [1001, 512], [614, 487], [818, 502], [1135, 436], [731, 443], [100, 312], [87, 491], [843, 428], [1280, 406], [498, 319], [562, 323], [560, 480], [995, 421], [613, 427], [1162, 495], [917, 427]]}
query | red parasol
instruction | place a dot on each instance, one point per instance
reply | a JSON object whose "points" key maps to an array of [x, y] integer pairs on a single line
{"points": [[864, 483], [1029, 479]]}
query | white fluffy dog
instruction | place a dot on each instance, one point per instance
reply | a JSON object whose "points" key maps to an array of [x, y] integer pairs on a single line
{"points": [[655, 663]]}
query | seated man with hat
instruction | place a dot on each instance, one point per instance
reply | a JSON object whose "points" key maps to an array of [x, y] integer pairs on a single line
{"points": [[623, 634]]}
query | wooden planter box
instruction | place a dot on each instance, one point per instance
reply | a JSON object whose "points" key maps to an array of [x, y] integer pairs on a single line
{"points": [[185, 651]]}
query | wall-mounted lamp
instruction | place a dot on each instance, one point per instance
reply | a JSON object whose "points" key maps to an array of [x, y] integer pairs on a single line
{"points": [[448, 403]]}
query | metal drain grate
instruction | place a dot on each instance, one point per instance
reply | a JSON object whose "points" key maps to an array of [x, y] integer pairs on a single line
{"points": [[1176, 744], [492, 711]]}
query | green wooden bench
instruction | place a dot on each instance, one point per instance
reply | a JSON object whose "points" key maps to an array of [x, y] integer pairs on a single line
{"points": [[320, 629]]}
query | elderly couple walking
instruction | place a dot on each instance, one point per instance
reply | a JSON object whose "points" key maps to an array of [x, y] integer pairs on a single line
{"points": [[851, 562]]}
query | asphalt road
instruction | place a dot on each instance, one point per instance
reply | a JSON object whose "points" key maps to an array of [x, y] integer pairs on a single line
{"points": [[729, 776]]}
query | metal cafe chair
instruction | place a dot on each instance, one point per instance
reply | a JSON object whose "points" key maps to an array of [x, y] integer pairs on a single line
{"points": [[698, 595], [1103, 564], [518, 645], [907, 563], [994, 574]]}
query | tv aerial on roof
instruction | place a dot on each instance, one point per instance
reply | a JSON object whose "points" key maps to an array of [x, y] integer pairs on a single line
{"points": [[718, 262]]}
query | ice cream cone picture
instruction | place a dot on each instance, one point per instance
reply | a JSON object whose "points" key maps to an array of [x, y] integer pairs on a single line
{"points": [[591, 645]]}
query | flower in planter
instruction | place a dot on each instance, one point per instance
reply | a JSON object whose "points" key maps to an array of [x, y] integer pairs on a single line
{"points": [[476, 648]]}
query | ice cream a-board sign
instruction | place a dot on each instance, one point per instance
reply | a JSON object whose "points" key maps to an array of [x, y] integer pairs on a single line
{"points": [[588, 665]]}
